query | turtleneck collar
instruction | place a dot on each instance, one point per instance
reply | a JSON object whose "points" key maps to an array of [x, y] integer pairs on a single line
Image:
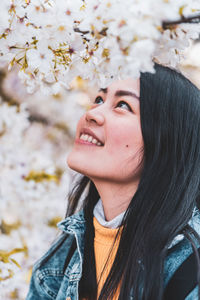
{"points": [[98, 213]]}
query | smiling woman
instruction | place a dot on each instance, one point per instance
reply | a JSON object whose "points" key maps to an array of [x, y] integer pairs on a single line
{"points": [[136, 235], [115, 166]]}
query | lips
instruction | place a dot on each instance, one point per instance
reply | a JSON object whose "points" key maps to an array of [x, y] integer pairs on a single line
{"points": [[90, 132]]}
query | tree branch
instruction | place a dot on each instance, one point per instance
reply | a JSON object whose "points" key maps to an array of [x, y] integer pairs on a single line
{"points": [[173, 24]]}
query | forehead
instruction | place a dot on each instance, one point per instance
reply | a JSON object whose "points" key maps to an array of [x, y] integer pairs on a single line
{"points": [[129, 84]]}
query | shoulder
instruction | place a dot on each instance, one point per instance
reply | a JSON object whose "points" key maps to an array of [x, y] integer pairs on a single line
{"points": [[48, 272], [180, 266], [180, 248], [55, 257], [176, 255]]}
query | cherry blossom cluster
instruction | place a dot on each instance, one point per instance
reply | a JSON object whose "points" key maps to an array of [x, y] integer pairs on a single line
{"points": [[54, 41]]}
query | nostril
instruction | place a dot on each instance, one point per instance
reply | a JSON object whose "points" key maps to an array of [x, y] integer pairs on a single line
{"points": [[96, 117], [89, 118]]}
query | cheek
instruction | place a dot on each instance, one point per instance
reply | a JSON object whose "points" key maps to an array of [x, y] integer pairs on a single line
{"points": [[127, 137]]}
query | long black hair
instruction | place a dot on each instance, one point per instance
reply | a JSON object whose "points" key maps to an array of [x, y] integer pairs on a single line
{"points": [[167, 194]]}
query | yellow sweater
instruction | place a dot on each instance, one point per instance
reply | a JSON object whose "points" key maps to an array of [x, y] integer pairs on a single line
{"points": [[103, 242]]}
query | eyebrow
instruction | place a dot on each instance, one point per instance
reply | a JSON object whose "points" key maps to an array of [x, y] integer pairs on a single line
{"points": [[120, 93]]}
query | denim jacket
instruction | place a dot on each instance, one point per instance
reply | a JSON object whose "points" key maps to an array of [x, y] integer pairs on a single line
{"points": [[50, 282]]}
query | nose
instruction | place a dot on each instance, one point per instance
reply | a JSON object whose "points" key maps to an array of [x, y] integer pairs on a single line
{"points": [[94, 116]]}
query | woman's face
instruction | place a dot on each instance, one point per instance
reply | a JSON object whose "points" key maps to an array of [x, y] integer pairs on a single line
{"points": [[109, 144]]}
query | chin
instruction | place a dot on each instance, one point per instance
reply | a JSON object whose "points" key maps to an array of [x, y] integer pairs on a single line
{"points": [[80, 168], [72, 162], [75, 164]]}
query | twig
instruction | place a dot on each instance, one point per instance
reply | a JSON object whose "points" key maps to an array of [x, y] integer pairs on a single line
{"points": [[172, 24]]}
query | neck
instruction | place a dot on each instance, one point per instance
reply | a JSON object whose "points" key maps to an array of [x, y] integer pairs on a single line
{"points": [[115, 196]]}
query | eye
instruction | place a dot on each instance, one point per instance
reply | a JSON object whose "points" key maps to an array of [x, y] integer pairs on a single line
{"points": [[98, 100], [125, 105]]}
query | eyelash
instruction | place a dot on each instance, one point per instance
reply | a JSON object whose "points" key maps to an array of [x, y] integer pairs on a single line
{"points": [[99, 97]]}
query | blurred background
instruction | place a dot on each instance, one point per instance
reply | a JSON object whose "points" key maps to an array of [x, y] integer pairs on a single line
{"points": [[36, 135]]}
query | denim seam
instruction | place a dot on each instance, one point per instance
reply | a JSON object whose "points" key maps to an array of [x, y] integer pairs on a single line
{"points": [[50, 271]]}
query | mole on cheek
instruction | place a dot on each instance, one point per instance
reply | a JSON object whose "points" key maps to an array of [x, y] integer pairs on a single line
{"points": [[126, 145]]}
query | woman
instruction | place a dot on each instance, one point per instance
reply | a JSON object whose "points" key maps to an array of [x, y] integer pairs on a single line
{"points": [[135, 235]]}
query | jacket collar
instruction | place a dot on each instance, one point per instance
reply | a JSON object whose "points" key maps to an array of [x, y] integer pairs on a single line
{"points": [[74, 223], [194, 222]]}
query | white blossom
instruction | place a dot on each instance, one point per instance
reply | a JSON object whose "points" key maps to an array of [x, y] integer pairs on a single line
{"points": [[55, 40]]}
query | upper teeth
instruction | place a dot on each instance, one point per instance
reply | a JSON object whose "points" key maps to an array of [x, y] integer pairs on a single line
{"points": [[89, 138]]}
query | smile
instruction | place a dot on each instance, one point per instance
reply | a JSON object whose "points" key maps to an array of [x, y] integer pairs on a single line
{"points": [[89, 139]]}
